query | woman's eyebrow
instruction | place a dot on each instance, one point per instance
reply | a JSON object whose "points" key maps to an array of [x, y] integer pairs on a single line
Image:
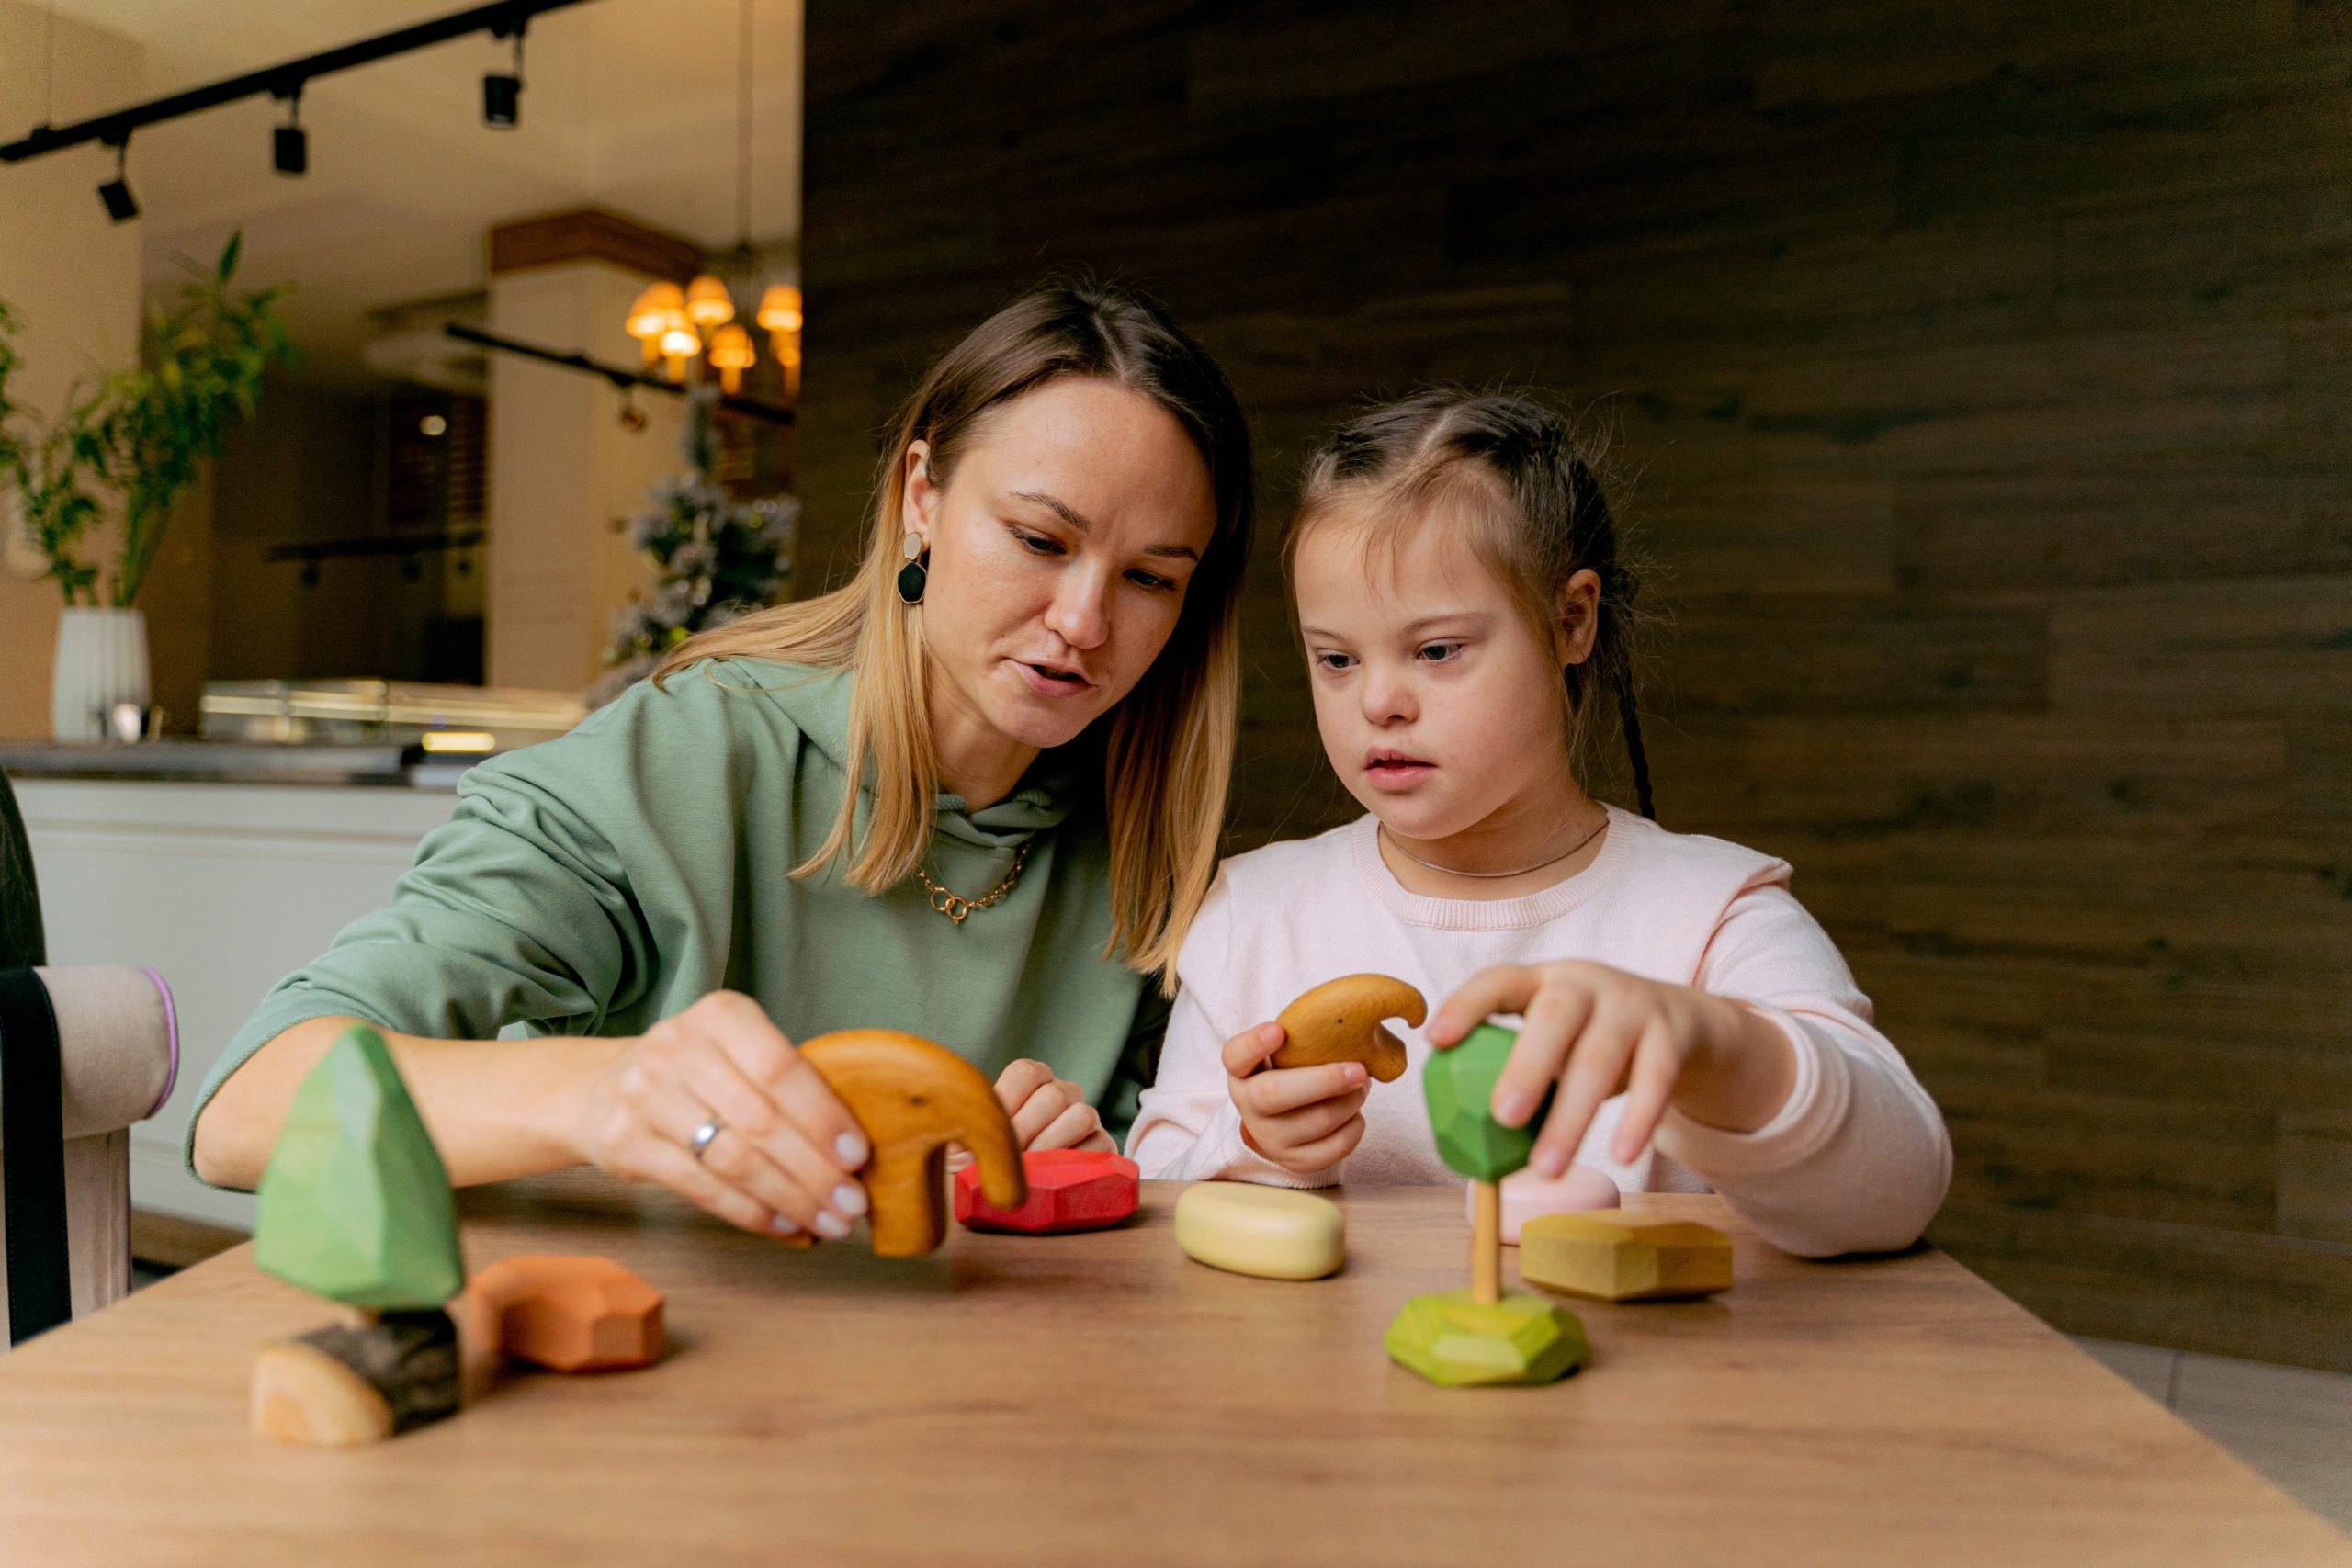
{"points": [[1060, 508], [1078, 520]]}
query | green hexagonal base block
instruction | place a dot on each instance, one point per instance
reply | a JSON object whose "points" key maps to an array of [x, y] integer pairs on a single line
{"points": [[356, 1204], [1460, 1085], [1449, 1339]]}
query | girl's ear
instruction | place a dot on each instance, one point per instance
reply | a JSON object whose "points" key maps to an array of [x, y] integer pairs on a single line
{"points": [[1576, 616], [918, 497]]}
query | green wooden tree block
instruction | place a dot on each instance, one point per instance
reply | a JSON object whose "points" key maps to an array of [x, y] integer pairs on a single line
{"points": [[355, 1203], [1460, 1085], [1450, 1338]]}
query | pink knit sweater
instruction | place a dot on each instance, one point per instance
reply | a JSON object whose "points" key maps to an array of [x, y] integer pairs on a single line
{"points": [[1856, 1160]]}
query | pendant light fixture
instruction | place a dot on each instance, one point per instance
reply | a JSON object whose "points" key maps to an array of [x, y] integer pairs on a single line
{"points": [[676, 325]]}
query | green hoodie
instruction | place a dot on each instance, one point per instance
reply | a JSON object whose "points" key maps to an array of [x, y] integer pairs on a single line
{"points": [[596, 884]]}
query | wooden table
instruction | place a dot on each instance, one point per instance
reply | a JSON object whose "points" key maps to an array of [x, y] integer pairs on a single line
{"points": [[1102, 1399]]}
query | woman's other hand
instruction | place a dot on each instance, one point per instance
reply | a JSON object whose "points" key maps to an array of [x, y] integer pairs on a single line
{"points": [[1047, 1112]]}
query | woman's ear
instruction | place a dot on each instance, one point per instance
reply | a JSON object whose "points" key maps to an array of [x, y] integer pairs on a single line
{"points": [[1576, 616], [918, 497]]}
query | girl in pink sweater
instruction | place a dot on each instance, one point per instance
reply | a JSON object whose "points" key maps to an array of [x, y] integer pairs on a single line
{"points": [[1458, 590]]}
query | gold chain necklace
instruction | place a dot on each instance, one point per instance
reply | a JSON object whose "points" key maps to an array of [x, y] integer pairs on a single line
{"points": [[955, 905]]}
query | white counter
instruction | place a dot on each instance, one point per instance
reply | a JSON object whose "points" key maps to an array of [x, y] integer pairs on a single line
{"points": [[221, 888]]}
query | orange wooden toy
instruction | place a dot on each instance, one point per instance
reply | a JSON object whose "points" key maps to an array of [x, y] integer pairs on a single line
{"points": [[575, 1314]]}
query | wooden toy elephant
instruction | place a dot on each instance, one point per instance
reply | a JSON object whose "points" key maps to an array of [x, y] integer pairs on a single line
{"points": [[912, 1097]]}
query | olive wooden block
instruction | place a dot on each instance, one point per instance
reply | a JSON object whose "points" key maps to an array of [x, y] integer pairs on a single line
{"points": [[1340, 1020], [1450, 1337], [347, 1384], [573, 1314], [355, 1204], [1460, 1085], [1275, 1233], [1069, 1189], [1624, 1255], [912, 1097], [1526, 1195]]}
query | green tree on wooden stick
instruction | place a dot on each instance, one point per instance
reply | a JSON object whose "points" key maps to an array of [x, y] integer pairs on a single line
{"points": [[1483, 1335], [356, 1204]]}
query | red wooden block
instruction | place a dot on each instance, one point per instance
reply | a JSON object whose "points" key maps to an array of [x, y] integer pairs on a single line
{"points": [[1069, 1189]]}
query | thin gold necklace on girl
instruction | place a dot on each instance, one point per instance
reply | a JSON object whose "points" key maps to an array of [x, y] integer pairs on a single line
{"points": [[1398, 846]]}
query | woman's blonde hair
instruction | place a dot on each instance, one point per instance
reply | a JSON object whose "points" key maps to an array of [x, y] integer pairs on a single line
{"points": [[1168, 753]]}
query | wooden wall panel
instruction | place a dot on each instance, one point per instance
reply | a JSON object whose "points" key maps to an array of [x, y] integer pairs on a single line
{"points": [[1978, 381]]}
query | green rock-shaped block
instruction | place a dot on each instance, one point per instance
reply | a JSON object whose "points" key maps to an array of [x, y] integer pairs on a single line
{"points": [[1460, 1085], [1449, 1339], [355, 1203]]}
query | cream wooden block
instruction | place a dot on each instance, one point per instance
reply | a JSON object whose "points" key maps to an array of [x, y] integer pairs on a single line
{"points": [[1276, 1233], [1622, 1256]]}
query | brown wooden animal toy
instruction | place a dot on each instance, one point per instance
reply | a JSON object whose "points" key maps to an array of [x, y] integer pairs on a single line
{"points": [[1340, 1020], [912, 1097]]}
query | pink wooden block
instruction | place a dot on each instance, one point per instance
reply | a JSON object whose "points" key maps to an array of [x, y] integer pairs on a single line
{"points": [[1069, 1189], [1526, 1195]]}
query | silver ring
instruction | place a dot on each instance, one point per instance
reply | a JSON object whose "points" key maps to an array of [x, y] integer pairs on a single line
{"points": [[700, 1144]]}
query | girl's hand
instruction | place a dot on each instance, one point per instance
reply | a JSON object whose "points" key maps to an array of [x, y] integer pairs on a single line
{"points": [[1303, 1119], [784, 1158], [1595, 1031], [1047, 1113]]}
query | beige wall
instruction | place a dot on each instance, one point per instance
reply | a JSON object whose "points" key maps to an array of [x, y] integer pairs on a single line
{"points": [[564, 476], [72, 278]]}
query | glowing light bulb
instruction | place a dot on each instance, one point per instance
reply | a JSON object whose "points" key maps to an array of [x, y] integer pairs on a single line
{"points": [[780, 309], [650, 316], [731, 352], [708, 302]]}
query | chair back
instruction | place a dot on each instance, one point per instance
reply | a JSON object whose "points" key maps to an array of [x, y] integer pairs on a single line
{"points": [[85, 1050]]}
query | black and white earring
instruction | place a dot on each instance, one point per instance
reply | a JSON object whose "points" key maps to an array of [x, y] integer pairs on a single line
{"points": [[916, 574]]}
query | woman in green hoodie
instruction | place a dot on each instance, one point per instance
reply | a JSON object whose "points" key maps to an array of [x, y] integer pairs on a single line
{"points": [[1032, 682]]}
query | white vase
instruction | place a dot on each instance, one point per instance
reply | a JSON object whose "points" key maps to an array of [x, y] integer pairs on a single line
{"points": [[101, 661]]}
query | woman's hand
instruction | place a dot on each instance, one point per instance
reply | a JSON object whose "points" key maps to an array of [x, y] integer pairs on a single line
{"points": [[784, 1158], [1594, 1031], [1047, 1112], [1303, 1119]]}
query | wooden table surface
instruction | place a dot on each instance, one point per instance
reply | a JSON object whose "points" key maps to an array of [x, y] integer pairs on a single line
{"points": [[1099, 1399]]}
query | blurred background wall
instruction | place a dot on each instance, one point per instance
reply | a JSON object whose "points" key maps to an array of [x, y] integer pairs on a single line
{"points": [[1979, 383]]}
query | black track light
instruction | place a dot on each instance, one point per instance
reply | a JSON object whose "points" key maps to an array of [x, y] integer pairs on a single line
{"points": [[502, 94], [289, 144], [501, 103], [121, 206]]}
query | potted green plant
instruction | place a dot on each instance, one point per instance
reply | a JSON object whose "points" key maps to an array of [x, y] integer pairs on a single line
{"points": [[125, 450]]}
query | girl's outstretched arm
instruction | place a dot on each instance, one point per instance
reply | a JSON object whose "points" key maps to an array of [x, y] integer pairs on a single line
{"points": [[1857, 1158], [1766, 1078]]}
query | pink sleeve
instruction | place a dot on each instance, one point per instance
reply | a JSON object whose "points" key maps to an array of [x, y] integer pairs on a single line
{"points": [[1186, 1128], [1857, 1159]]}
